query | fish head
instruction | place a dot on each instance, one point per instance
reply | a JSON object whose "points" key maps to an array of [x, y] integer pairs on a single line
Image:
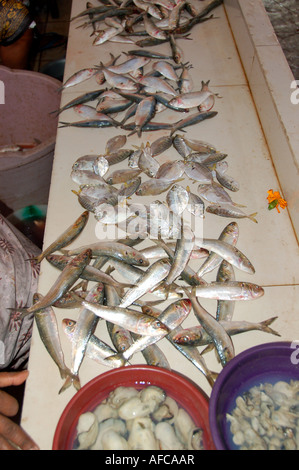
{"points": [[68, 325], [256, 291]]}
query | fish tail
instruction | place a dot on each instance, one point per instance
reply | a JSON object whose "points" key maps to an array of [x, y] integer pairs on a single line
{"points": [[70, 379], [252, 217], [64, 124], [265, 326], [211, 377]]}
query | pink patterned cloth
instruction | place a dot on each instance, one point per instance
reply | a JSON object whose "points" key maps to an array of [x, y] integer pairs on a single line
{"points": [[18, 283]]}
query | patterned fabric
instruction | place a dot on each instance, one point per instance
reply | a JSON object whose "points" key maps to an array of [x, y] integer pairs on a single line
{"points": [[14, 21], [18, 283]]}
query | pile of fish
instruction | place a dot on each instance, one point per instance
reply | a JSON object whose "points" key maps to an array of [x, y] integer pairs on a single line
{"points": [[146, 82], [266, 417], [132, 419], [145, 271], [145, 283], [195, 162]]}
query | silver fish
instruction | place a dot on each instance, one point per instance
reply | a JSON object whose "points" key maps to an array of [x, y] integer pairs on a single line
{"points": [[220, 338], [132, 320], [228, 252], [48, 330], [67, 237], [177, 199], [229, 234], [229, 290], [152, 277], [112, 249], [197, 336], [229, 210], [85, 327], [225, 308], [96, 350]]}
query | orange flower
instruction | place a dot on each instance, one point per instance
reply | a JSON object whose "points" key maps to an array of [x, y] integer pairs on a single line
{"points": [[275, 200]]}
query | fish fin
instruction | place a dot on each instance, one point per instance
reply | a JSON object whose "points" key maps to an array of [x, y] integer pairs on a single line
{"points": [[252, 217], [208, 348], [265, 326]]}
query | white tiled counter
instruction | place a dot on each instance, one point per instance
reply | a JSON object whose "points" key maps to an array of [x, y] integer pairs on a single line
{"points": [[256, 125]]}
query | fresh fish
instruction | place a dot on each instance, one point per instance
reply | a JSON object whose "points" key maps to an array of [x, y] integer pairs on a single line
{"points": [[215, 194], [195, 205], [225, 180], [197, 336], [118, 156], [120, 81], [177, 199], [107, 34], [181, 146], [220, 338], [171, 317], [177, 54], [90, 273], [230, 290], [182, 253], [185, 81], [147, 163], [153, 276], [171, 171], [199, 145], [63, 283], [112, 249], [198, 172], [174, 14], [225, 308], [144, 113], [154, 356], [96, 350], [193, 99], [85, 327], [101, 166], [229, 210], [152, 29], [120, 176], [90, 123], [188, 275], [209, 102], [46, 323], [67, 237], [192, 120], [166, 69], [206, 158], [79, 77], [129, 65], [154, 187], [132, 320], [115, 143], [160, 145], [112, 105], [85, 178], [150, 54], [228, 252], [229, 234], [157, 85]]}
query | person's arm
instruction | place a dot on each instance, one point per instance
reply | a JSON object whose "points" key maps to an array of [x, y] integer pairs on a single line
{"points": [[12, 436]]}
